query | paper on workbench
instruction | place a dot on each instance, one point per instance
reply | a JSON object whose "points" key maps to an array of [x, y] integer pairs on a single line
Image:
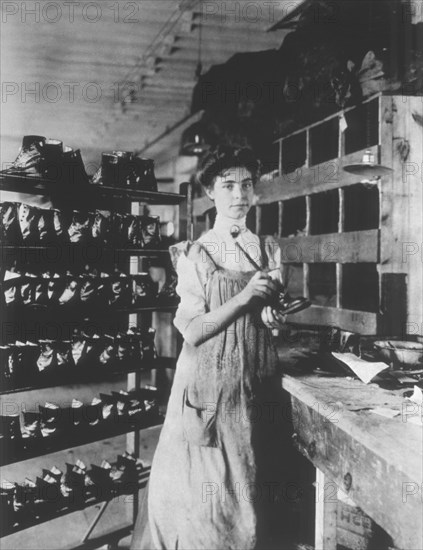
{"points": [[417, 396], [365, 370], [384, 411]]}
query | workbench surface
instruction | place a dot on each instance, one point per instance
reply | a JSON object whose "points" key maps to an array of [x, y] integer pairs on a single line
{"points": [[378, 461]]}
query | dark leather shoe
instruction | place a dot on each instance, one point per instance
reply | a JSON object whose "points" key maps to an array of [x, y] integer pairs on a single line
{"points": [[52, 159], [107, 174], [51, 420], [7, 492], [80, 229], [145, 179], [24, 499], [25, 363], [10, 231], [150, 231], [143, 290], [31, 431], [28, 221], [126, 169], [30, 158], [7, 365], [10, 430], [12, 281], [46, 226], [72, 168], [101, 228], [48, 495], [47, 360], [101, 479]]}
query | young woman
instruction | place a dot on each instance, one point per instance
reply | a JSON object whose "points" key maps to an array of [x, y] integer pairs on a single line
{"points": [[219, 452]]}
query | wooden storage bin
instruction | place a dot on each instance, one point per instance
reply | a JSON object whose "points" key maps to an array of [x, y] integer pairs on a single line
{"points": [[376, 226], [323, 214]]}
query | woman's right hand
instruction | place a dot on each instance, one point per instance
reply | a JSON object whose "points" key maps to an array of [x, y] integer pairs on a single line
{"points": [[260, 289]]}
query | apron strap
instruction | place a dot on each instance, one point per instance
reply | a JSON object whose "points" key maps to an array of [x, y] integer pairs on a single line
{"points": [[209, 256]]}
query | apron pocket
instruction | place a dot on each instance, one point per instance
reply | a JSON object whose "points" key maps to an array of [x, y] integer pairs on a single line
{"points": [[199, 423]]}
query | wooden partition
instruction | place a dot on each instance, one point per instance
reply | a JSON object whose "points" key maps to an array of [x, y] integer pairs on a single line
{"points": [[355, 245]]}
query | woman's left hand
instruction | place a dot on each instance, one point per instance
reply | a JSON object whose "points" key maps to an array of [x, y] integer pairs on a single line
{"points": [[272, 318]]}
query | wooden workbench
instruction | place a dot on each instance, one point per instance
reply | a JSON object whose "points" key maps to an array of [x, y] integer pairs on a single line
{"points": [[377, 461]]}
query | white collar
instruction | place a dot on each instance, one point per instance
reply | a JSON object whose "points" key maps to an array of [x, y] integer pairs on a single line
{"points": [[224, 225]]}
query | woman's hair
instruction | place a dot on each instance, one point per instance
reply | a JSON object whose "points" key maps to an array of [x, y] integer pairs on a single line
{"points": [[224, 157]]}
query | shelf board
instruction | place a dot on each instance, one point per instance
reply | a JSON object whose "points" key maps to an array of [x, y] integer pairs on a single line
{"points": [[362, 322], [152, 197], [164, 307], [312, 179], [65, 510], [85, 314], [76, 248], [38, 186], [94, 375], [349, 247], [91, 434]]}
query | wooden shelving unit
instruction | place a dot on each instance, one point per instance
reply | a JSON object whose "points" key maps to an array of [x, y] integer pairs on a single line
{"points": [[126, 200], [344, 242], [98, 374], [104, 430], [37, 186], [69, 508]]}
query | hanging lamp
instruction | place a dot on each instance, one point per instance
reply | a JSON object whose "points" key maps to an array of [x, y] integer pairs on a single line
{"points": [[368, 169], [194, 142]]}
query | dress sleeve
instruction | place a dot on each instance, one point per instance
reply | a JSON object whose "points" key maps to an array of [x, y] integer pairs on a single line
{"points": [[190, 288]]}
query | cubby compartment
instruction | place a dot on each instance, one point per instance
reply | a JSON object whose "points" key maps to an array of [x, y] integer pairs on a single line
{"points": [[322, 284], [294, 217], [361, 207], [293, 278], [324, 141], [324, 212], [269, 219], [360, 287], [294, 152], [270, 162], [251, 219], [362, 127]]}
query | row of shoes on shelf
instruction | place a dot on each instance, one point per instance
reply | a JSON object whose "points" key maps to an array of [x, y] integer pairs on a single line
{"points": [[92, 289], [53, 422], [23, 364], [48, 159], [23, 224], [55, 490]]}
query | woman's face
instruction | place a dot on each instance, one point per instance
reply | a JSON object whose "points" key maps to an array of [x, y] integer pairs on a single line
{"points": [[233, 192]]}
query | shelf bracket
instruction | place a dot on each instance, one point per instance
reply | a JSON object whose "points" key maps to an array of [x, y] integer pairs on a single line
{"points": [[95, 521]]}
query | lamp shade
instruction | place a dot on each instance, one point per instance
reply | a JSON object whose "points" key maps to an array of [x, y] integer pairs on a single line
{"points": [[367, 168], [194, 142]]}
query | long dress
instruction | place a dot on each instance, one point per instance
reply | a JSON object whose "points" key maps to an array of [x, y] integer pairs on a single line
{"points": [[218, 455]]}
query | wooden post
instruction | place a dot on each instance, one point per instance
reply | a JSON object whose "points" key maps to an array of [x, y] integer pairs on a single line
{"points": [[306, 270], [326, 510], [280, 218], [308, 152], [134, 379], [341, 217], [185, 213], [258, 220]]}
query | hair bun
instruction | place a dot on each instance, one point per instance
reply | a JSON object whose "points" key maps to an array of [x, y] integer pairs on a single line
{"points": [[224, 157]]}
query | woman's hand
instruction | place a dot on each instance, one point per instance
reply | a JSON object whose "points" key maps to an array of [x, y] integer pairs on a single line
{"points": [[260, 288], [272, 318]]}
